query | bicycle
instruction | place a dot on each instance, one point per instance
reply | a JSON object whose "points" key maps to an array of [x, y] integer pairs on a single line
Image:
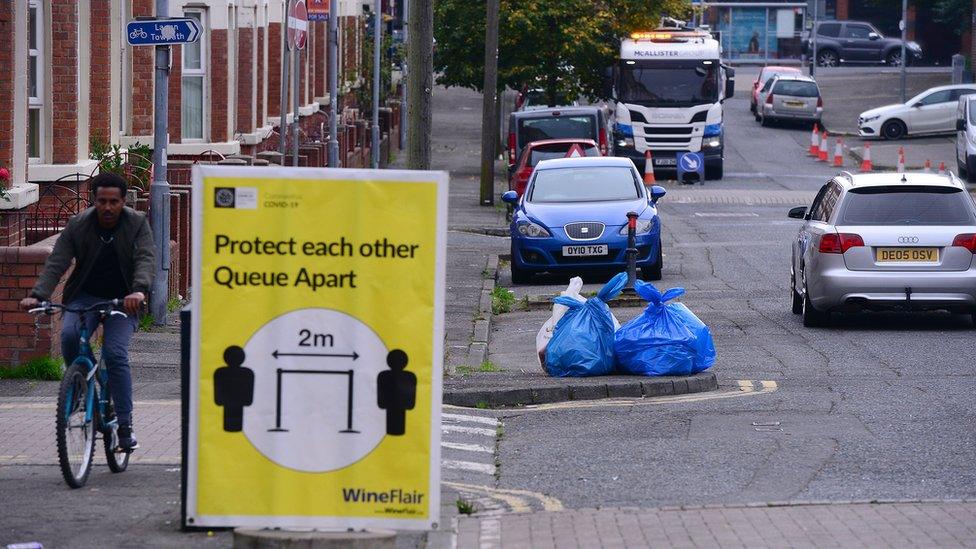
{"points": [[85, 404]]}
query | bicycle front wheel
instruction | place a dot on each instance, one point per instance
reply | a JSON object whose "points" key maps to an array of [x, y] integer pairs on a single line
{"points": [[75, 430]]}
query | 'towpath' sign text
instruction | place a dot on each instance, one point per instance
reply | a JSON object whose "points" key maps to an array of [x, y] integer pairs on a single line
{"points": [[317, 348], [160, 32]]}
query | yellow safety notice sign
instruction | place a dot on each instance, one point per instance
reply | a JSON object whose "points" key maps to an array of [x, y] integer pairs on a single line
{"points": [[317, 348]]}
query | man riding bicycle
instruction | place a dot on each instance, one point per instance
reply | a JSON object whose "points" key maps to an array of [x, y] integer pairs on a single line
{"points": [[112, 249]]}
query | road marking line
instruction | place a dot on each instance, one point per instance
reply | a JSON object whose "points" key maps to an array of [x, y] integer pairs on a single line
{"points": [[744, 388], [726, 214], [485, 468], [467, 447], [468, 430], [548, 503], [470, 419]]}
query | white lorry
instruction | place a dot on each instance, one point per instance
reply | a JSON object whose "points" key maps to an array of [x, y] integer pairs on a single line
{"points": [[667, 88]]}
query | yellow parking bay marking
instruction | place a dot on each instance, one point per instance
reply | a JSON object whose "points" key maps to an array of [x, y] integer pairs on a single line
{"points": [[743, 388], [517, 500]]}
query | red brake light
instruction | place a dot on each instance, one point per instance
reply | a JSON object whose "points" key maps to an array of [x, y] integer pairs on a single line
{"points": [[769, 98], [522, 179], [604, 150], [511, 149], [838, 243], [967, 241], [820, 102]]}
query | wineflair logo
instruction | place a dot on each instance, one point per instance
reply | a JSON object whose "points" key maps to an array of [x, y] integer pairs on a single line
{"points": [[395, 496]]}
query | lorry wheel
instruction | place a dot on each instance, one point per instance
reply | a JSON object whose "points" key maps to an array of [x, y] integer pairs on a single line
{"points": [[714, 171]]}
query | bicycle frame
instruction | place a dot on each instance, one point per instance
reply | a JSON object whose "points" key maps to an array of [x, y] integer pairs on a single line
{"points": [[85, 356]]}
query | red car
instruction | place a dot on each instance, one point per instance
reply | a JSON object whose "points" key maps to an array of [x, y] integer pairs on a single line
{"points": [[536, 151], [765, 74]]}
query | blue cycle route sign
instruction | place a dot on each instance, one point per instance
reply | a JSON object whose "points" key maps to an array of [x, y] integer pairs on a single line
{"points": [[161, 32]]}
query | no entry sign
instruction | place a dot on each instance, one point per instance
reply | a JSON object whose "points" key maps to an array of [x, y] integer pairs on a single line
{"points": [[297, 26]]}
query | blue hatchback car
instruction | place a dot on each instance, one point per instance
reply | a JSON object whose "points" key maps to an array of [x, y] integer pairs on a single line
{"points": [[573, 217]]}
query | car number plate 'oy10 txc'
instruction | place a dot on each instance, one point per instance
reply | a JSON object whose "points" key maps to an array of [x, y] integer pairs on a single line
{"points": [[593, 249], [913, 255]]}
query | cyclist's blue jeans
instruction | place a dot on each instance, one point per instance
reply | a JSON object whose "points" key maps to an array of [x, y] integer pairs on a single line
{"points": [[115, 349]]}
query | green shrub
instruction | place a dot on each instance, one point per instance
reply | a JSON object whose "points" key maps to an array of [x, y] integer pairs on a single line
{"points": [[43, 368]]}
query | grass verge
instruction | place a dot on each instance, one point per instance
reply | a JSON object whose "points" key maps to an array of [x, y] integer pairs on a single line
{"points": [[42, 368]]}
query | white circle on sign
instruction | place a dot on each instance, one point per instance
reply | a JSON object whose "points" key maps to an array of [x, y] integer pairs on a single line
{"points": [[307, 366]]}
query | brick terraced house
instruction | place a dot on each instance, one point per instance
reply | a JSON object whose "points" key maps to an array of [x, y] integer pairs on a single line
{"points": [[75, 99]]}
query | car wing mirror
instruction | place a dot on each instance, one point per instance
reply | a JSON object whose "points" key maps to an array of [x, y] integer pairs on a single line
{"points": [[511, 197], [657, 193], [874, 36], [799, 212]]}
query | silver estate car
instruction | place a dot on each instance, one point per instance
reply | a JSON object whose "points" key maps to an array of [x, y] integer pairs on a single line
{"points": [[885, 242], [789, 97]]}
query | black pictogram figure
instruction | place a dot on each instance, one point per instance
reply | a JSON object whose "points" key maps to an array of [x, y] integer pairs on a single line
{"points": [[396, 392], [233, 388]]}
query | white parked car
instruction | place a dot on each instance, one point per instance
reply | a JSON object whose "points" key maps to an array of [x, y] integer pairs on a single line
{"points": [[932, 111], [966, 138]]}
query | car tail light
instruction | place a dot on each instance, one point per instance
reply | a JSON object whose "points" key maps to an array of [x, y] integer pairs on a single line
{"points": [[522, 179], [838, 243], [967, 241], [820, 102], [769, 99], [511, 149], [604, 150]]}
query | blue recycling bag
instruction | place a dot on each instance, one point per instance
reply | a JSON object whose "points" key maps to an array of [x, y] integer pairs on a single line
{"points": [[582, 342], [667, 339]]}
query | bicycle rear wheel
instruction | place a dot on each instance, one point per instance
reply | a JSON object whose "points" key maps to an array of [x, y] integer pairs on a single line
{"points": [[75, 434]]}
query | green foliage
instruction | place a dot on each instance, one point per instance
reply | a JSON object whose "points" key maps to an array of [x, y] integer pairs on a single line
{"points": [[488, 367], [954, 14], [174, 304], [42, 368], [135, 167], [557, 45], [502, 300], [364, 93], [464, 506], [481, 405], [145, 322]]}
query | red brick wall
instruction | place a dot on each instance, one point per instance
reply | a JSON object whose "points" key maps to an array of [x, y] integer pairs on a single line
{"points": [[260, 76], [245, 79], [320, 69], [64, 87], [843, 9], [218, 85], [274, 69], [175, 95], [7, 92], [142, 77], [99, 114], [21, 339]]}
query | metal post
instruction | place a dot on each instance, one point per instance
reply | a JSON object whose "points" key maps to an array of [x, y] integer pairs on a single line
{"points": [[333, 46], [631, 248], [904, 34], [403, 77], [377, 43], [285, 62], [813, 37], [489, 136], [295, 102], [159, 193]]}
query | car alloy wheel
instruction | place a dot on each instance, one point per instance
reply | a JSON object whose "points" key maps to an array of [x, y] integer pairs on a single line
{"points": [[827, 58], [893, 129], [894, 59]]}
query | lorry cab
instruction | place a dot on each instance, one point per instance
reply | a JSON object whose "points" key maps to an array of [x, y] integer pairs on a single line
{"points": [[668, 86], [966, 137]]}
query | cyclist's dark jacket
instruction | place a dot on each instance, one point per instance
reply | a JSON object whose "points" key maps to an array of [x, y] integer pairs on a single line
{"points": [[133, 244]]}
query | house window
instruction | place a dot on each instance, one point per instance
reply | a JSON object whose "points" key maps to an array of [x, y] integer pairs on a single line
{"points": [[35, 127], [193, 85]]}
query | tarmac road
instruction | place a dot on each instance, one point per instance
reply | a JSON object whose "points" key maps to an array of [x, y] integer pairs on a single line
{"points": [[877, 407]]}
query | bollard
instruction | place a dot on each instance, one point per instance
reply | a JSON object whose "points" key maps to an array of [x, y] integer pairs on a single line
{"points": [[631, 248]]}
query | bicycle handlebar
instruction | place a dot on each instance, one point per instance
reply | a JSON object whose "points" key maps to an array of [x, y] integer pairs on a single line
{"points": [[49, 308]]}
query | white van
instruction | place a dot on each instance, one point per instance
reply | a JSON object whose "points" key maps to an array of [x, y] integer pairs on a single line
{"points": [[966, 137]]}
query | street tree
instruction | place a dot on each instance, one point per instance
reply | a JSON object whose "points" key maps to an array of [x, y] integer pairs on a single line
{"points": [[560, 46]]}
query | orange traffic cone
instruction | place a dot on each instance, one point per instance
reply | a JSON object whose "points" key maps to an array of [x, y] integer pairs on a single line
{"points": [[942, 170], [839, 153], [815, 142], [901, 160], [824, 146], [648, 168], [866, 165], [928, 166]]}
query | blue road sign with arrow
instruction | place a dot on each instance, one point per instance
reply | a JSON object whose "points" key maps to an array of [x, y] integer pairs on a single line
{"points": [[161, 32]]}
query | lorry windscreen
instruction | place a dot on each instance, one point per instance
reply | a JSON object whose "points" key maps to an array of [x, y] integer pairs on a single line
{"points": [[669, 84]]}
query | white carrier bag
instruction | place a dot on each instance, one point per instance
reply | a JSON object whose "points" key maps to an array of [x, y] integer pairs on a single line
{"points": [[545, 333]]}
